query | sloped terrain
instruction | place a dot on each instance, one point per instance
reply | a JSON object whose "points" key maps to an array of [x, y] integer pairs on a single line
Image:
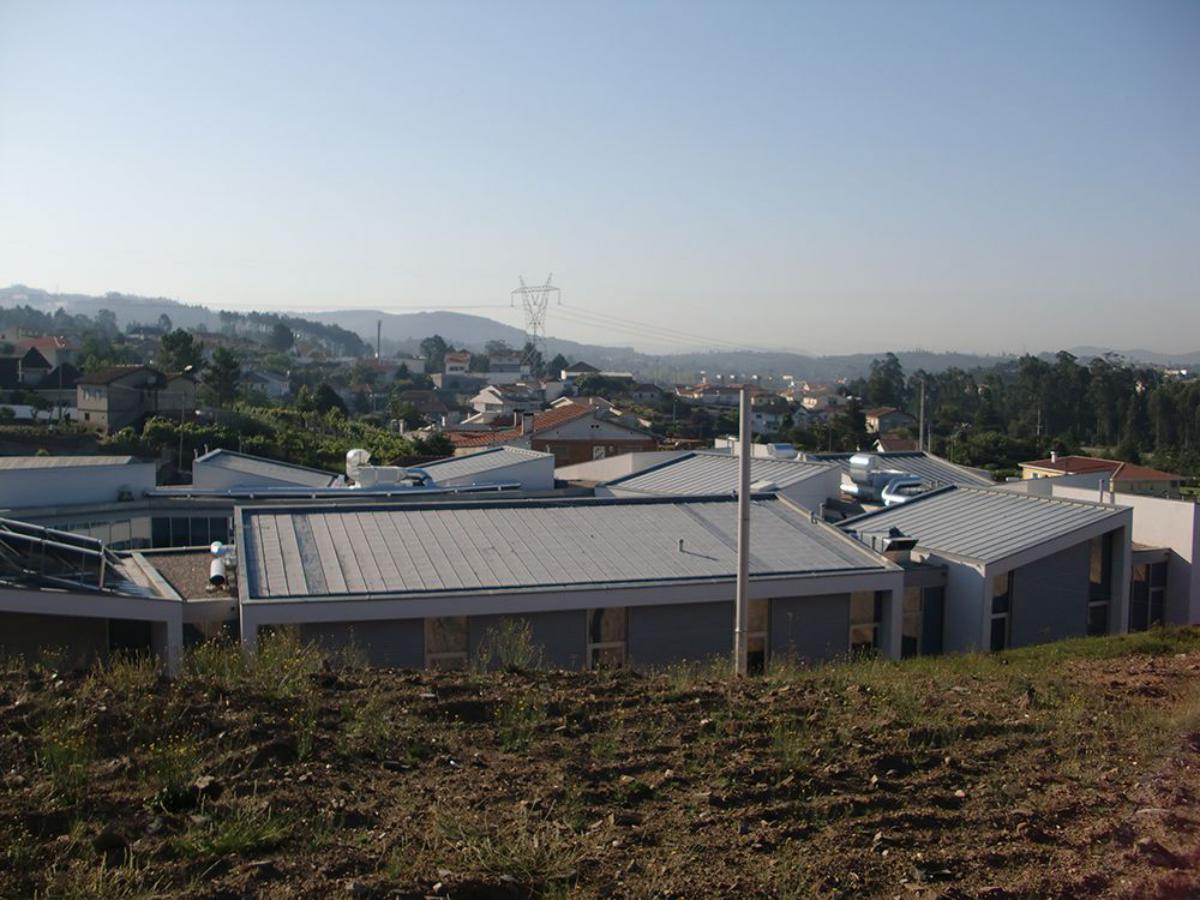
{"points": [[1065, 770]]}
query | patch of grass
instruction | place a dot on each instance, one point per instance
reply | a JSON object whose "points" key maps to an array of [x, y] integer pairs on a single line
{"points": [[791, 744], [369, 729], [517, 720], [536, 854], [283, 666], [228, 831], [65, 750], [82, 879]]}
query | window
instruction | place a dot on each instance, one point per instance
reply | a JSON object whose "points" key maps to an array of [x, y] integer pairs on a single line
{"points": [[1001, 610], [1147, 595], [757, 626], [1100, 591], [446, 643], [910, 629], [866, 612], [598, 453], [607, 635]]}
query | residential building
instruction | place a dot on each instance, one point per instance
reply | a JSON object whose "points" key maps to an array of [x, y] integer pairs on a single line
{"points": [[647, 393], [457, 362], [1020, 569], [887, 418], [24, 370], [893, 443], [1127, 477], [55, 349], [508, 361], [274, 385], [571, 432], [110, 399], [577, 370], [502, 400]]}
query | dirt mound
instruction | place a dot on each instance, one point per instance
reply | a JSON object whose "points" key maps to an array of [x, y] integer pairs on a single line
{"points": [[1065, 771]]}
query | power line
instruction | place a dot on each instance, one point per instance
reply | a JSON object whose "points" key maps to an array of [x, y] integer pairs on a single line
{"points": [[674, 334]]}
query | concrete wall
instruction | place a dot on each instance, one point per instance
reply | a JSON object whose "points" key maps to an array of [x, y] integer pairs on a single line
{"points": [[73, 485], [77, 639], [213, 475], [661, 635], [1050, 597], [614, 467], [967, 608], [561, 635], [533, 474], [399, 643], [810, 629], [816, 489], [1160, 522]]}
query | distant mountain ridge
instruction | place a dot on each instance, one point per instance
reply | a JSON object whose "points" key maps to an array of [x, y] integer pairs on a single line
{"points": [[405, 330]]}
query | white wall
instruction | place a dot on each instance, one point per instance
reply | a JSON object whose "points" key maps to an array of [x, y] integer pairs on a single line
{"points": [[73, 485], [816, 489], [617, 466], [533, 474]]}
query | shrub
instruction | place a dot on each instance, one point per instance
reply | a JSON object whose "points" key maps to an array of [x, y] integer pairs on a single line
{"points": [[511, 647]]}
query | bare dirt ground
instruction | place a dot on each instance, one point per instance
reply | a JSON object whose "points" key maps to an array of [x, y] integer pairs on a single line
{"points": [[1063, 771]]}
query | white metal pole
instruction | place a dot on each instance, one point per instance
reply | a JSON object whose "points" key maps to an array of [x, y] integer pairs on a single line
{"points": [[741, 645], [921, 427]]}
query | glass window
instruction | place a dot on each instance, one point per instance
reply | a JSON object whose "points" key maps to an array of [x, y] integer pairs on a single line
{"points": [[866, 611], [1001, 610], [1139, 599], [1158, 575], [446, 641], [910, 630], [757, 625], [607, 635], [1097, 618], [1101, 567]]}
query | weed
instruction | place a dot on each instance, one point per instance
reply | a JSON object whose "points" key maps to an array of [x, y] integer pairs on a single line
{"points": [[282, 667], [230, 831], [65, 750], [791, 745], [369, 728], [516, 722], [538, 855], [510, 647], [171, 768], [304, 723], [81, 879]]}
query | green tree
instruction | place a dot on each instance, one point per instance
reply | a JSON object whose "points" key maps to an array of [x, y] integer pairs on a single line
{"points": [[408, 414], [224, 375], [434, 348], [164, 323], [177, 351], [326, 399], [281, 339], [885, 384], [555, 366]]}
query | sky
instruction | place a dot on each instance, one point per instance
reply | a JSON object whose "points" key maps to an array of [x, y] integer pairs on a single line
{"points": [[825, 177]]}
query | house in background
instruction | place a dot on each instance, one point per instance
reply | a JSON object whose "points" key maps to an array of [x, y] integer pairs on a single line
{"points": [[274, 385], [55, 349], [572, 432], [1125, 478], [457, 362], [893, 443], [110, 399], [887, 418]]}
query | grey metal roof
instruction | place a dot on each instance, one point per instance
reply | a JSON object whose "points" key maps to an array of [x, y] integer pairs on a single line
{"points": [[932, 470], [300, 552], [982, 524], [475, 464], [260, 467], [62, 462], [714, 473]]}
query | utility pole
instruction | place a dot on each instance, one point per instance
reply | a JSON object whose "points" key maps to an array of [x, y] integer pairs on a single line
{"points": [[921, 426], [534, 300], [741, 638], [379, 339]]}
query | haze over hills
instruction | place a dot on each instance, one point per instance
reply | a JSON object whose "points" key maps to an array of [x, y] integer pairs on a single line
{"points": [[402, 331]]}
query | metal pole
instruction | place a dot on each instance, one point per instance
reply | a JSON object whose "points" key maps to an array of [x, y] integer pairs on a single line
{"points": [[741, 645], [921, 427]]}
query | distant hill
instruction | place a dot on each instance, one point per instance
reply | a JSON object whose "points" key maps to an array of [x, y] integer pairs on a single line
{"points": [[405, 330]]}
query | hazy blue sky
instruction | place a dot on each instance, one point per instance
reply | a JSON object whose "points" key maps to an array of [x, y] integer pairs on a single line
{"points": [[826, 176]]}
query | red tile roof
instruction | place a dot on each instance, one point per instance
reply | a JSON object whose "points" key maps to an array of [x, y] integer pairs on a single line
{"points": [[542, 421], [1083, 465]]}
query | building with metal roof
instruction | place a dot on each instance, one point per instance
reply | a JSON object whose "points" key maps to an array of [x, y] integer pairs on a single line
{"points": [[532, 469], [934, 471], [1021, 569], [807, 483], [664, 567], [42, 482], [220, 469]]}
